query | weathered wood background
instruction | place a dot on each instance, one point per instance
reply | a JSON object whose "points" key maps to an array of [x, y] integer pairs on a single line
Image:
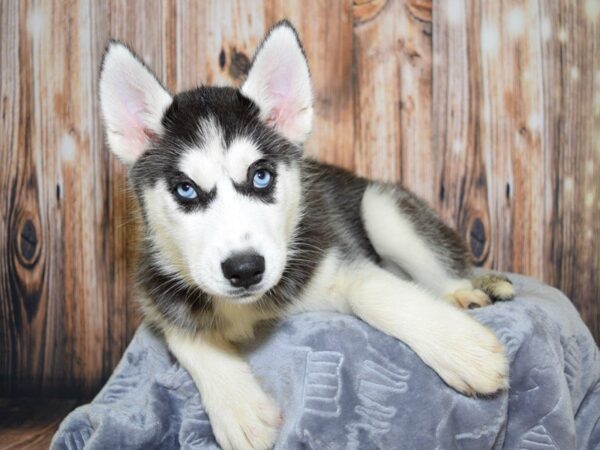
{"points": [[488, 109]]}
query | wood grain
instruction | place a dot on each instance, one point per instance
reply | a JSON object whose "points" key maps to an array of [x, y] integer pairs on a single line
{"points": [[392, 92], [488, 110], [572, 67]]}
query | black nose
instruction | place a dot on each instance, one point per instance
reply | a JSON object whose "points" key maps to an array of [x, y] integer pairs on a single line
{"points": [[244, 269]]}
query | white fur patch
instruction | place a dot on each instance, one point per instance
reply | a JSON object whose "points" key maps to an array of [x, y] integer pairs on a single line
{"points": [[242, 415], [240, 319], [205, 165], [395, 239], [242, 153], [212, 162], [323, 291], [133, 103], [279, 83]]}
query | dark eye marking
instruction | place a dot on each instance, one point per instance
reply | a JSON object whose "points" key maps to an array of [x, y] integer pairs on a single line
{"points": [[188, 195], [260, 181]]}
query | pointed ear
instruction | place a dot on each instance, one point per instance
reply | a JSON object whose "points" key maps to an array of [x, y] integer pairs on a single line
{"points": [[279, 83], [133, 102]]}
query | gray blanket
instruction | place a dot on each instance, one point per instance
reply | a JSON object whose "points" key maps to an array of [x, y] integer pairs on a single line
{"points": [[344, 385]]}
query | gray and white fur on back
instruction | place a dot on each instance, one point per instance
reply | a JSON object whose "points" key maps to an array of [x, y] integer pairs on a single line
{"points": [[241, 227]]}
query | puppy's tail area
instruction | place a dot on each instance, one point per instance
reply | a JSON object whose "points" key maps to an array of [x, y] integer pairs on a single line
{"points": [[498, 287]]}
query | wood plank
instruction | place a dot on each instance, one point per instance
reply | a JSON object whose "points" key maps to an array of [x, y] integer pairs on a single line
{"points": [[66, 282], [29, 211], [88, 318], [462, 184], [392, 88], [572, 69], [10, 92], [377, 57]]}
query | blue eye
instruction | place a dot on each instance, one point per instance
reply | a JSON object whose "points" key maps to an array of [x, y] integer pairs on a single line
{"points": [[186, 191], [262, 179]]}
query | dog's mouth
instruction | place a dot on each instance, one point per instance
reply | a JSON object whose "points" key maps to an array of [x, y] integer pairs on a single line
{"points": [[243, 295]]}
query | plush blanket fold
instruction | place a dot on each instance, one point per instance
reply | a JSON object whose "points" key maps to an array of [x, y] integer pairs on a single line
{"points": [[344, 385]]}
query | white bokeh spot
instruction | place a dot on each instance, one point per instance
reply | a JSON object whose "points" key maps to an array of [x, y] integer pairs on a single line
{"points": [[568, 184], [574, 73], [455, 12], [563, 35], [490, 38], [515, 22], [589, 199], [546, 28], [35, 23], [534, 122], [592, 9], [457, 146], [67, 148]]}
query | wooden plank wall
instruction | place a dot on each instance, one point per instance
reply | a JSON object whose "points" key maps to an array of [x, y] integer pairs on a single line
{"points": [[490, 110]]}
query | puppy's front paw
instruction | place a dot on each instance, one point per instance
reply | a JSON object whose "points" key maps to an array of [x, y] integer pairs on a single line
{"points": [[472, 360], [468, 298], [245, 418]]}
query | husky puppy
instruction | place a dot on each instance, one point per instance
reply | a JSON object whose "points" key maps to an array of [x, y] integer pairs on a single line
{"points": [[240, 227]]}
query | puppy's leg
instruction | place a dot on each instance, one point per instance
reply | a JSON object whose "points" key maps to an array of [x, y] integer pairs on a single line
{"points": [[406, 232], [463, 352], [242, 416]]}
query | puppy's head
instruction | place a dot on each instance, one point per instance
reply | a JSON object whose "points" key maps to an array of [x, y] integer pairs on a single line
{"points": [[215, 169]]}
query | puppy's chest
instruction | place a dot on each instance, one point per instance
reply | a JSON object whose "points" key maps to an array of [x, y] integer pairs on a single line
{"points": [[327, 289], [237, 322]]}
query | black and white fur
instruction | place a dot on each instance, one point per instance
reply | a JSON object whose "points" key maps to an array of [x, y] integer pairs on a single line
{"points": [[330, 240]]}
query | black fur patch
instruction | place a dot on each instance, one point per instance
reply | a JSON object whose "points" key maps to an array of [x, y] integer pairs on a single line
{"points": [[267, 194], [178, 303], [201, 202]]}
